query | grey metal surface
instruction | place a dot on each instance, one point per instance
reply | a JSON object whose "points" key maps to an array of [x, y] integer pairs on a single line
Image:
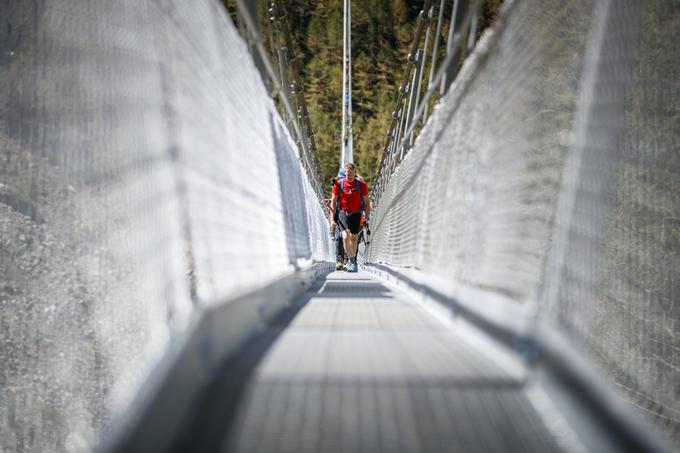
{"points": [[549, 175], [359, 367], [122, 130]]}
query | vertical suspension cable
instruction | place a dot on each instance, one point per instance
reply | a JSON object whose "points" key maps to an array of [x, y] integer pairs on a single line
{"points": [[411, 101], [421, 68], [285, 56], [455, 13], [296, 80], [283, 71], [347, 152], [308, 142], [435, 43], [463, 15], [473, 32], [450, 65], [269, 71], [404, 83]]}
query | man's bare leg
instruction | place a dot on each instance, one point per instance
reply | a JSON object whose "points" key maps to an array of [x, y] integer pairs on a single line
{"points": [[345, 243], [350, 241], [355, 243]]}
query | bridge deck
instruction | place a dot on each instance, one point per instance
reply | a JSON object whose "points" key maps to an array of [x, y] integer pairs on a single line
{"points": [[356, 366]]}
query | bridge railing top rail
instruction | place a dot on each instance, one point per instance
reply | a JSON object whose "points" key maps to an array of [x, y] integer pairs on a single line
{"points": [[285, 84], [412, 104], [547, 175]]}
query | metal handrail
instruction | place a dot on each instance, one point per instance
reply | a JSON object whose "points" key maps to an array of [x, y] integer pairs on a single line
{"points": [[400, 94], [397, 144], [300, 121]]}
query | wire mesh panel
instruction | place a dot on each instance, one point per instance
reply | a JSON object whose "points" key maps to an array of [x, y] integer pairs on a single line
{"points": [[613, 278], [549, 175], [139, 178], [486, 167]]}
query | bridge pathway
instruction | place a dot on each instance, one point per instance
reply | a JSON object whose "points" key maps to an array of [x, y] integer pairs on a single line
{"points": [[355, 366]]}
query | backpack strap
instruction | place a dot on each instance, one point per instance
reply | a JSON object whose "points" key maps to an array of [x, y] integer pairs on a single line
{"points": [[342, 186], [358, 187]]}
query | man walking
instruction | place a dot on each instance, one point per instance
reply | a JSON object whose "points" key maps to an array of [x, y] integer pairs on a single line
{"points": [[352, 195], [336, 233]]}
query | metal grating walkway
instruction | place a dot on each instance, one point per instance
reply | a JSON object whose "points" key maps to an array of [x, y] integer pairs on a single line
{"points": [[357, 367]]}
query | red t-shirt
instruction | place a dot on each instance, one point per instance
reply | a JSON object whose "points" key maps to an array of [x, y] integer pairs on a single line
{"points": [[350, 198]]}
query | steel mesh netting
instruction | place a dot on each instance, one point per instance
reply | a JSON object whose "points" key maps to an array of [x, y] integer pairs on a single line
{"points": [[139, 179], [486, 166], [550, 174], [613, 276]]}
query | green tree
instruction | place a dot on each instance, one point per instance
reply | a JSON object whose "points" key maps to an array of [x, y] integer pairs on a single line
{"points": [[382, 33]]}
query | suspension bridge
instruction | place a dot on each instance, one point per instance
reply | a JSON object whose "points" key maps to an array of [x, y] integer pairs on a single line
{"points": [[166, 269]]}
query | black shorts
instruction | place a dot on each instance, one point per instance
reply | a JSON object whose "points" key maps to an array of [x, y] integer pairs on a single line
{"points": [[349, 222]]}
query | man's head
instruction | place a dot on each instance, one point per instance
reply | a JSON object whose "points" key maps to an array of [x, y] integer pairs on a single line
{"points": [[351, 170]]}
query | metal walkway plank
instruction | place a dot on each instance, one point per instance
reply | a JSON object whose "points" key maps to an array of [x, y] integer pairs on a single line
{"points": [[361, 368]]}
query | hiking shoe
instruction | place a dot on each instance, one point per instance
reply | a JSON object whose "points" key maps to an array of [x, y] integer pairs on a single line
{"points": [[339, 265], [351, 267]]}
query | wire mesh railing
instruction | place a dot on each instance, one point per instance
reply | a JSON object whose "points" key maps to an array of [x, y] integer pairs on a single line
{"points": [[285, 78], [145, 175], [410, 112], [548, 176]]}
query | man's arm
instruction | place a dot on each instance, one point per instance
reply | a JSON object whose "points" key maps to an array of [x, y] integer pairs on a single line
{"points": [[367, 200], [367, 205], [334, 204]]}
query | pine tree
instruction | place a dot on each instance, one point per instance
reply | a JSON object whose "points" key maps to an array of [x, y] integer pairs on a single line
{"points": [[382, 32]]}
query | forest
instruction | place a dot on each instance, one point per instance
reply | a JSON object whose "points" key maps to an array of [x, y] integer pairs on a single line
{"points": [[382, 33]]}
